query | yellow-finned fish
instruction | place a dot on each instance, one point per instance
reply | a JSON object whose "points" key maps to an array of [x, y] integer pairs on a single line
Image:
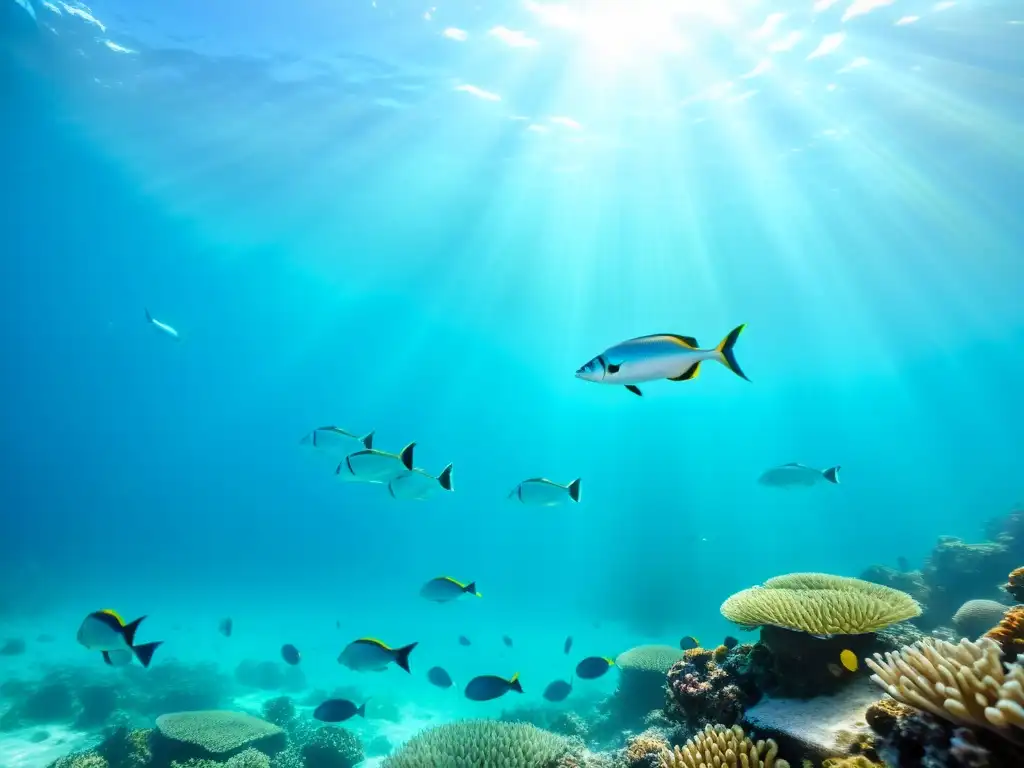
{"points": [[336, 440], [659, 356], [106, 631], [444, 589], [418, 485], [370, 655], [373, 466]]}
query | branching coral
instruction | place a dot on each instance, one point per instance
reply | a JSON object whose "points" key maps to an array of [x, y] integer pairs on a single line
{"points": [[721, 747], [1010, 633], [820, 604], [965, 683]]}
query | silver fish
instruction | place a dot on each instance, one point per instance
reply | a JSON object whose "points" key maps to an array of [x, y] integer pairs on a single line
{"points": [[542, 492], [444, 589], [370, 655], [106, 631], [373, 466], [417, 484], [336, 440], [659, 356], [162, 327], [793, 475]]}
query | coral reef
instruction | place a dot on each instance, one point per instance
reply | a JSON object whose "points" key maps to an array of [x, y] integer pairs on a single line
{"points": [[81, 760], [883, 715], [184, 735], [719, 747], [482, 742], [332, 747], [921, 740], [173, 686], [642, 680], [976, 617], [1014, 585], [51, 702], [126, 748], [1009, 633], [645, 750], [13, 646], [97, 704], [855, 761], [705, 691], [280, 711], [820, 604]]}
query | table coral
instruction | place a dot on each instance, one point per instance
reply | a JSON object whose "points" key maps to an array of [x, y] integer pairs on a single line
{"points": [[642, 679]]}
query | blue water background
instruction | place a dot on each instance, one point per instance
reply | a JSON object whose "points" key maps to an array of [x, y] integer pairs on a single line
{"points": [[341, 236]]}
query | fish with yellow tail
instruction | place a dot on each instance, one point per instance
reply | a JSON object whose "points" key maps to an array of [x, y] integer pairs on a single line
{"points": [[659, 356], [105, 631]]}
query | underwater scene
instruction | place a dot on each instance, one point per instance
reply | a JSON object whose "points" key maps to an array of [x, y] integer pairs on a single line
{"points": [[512, 384]]}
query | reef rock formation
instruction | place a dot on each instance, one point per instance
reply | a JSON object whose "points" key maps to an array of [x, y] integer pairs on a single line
{"points": [[705, 691]]}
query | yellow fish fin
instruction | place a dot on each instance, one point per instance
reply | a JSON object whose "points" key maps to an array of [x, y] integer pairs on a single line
{"points": [[115, 614], [374, 641], [725, 354]]}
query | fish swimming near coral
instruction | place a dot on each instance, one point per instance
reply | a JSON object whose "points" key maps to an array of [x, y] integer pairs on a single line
{"points": [[338, 711], [374, 466], [541, 492], [593, 667], [164, 328], [795, 475], [225, 627], [437, 676], [849, 660], [417, 485], [688, 643], [444, 589], [659, 356], [567, 645], [370, 655], [290, 654], [559, 690], [488, 687], [336, 441], [106, 631]]}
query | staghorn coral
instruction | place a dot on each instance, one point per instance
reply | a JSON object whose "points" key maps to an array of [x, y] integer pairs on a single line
{"points": [[1009, 633], [965, 683], [1014, 585], [820, 604], [332, 747], [976, 617], [214, 732], [719, 747], [642, 679], [479, 743], [645, 749]]}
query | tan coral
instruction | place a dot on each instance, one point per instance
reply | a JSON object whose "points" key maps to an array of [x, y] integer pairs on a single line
{"points": [[857, 761], [1014, 585], [642, 745], [883, 715], [820, 604], [721, 747], [965, 683], [1009, 633]]}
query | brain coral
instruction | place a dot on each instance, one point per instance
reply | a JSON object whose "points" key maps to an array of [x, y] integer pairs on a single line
{"points": [[217, 732], [480, 744], [820, 604], [976, 617], [718, 747]]}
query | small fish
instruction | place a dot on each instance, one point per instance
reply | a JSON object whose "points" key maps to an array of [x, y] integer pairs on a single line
{"points": [[567, 645], [506, 640], [418, 485], [107, 632], [370, 655], [901, 561], [290, 654], [439, 677], [834, 669], [444, 589], [593, 667], [225, 627], [338, 711], [558, 690], [336, 440], [373, 466], [545, 493], [849, 660], [463, 640], [487, 687], [730, 642], [162, 327], [659, 356], [793, 475], [688, 643]]}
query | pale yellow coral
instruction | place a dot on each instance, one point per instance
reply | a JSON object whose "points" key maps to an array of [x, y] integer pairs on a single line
{"points": [[721, 747], [965, 683], [820, 604]]}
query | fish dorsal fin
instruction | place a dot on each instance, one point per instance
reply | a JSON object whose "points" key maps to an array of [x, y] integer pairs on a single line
{"points": [[792, 464], [687, 341], [611, 662], [374, 641], [115, 614], [514, 678], [456, 582]]}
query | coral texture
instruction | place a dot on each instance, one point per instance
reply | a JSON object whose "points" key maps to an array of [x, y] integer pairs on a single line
{"points": [[721, 747], [217, 732], [1010, 633], [332, 747], [480, 743], [965, 683], [855, 761], [703, 691], [645, 749], [883, 715], [820, 604], [1014, 585], [976, 617], [642, 679]]}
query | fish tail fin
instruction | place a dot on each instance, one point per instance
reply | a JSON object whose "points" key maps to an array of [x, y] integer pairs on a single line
{"points": [[144, 653], [725, 353], [402, 656], [832, 474], [514, 683], [362, 710], [445, 478], [406, 455], [129, 630], [149, 317], [574, 489], [471, 589], [106, 659], [367, 440]]}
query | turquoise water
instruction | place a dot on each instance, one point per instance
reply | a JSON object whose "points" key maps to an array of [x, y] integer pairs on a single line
{"points": [[421, 222]]}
